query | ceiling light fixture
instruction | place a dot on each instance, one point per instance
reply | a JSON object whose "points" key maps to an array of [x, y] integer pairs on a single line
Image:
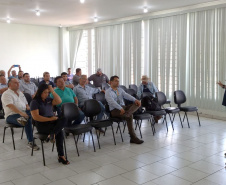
{"points": [[37, 12], [60, 26], [95, 19], [82, 1], [8, 20], [145, 9]]}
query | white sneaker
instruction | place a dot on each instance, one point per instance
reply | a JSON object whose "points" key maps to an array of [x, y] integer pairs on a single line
{"points": [[22, 121]]}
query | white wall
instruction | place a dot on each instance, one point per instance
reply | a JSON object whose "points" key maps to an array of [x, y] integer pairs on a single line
{"points": [[35, 48]]}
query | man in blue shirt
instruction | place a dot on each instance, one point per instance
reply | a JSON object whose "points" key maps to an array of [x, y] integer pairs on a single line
{"points": [[46, 80], [146, 86], [85, 92], [114, 96], [67, 96]]}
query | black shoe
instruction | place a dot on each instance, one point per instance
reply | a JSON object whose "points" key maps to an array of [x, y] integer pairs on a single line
{"points": [[136, 140], [61, 160]]}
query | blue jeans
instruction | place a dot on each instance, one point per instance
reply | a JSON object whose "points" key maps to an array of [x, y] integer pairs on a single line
{"points": [[101, 114], [12, 119]]}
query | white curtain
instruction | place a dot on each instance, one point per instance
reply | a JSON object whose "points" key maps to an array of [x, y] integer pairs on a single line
{"points": [[74, 41], [165, 52], [108, 49], [131, 53], [207, 46]]}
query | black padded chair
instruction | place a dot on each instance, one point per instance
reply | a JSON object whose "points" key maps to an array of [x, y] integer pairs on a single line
{"points": [[134, 87], [100, 97], [139, 117], [28, 98], [161, 97], [71, 112], [180, 98], [105, 86], [123, 87], [91, 109], [1, 109]]}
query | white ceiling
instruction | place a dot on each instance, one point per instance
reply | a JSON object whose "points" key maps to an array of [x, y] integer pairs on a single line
{"points": [[72, 12]]}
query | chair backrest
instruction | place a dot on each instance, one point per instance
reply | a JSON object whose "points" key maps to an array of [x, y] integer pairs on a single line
{"points": [[146, 94], [28, 98], [100, 97], [91, 108], [179, 97], [123, 87], [134, 87], [70, 111], [131, 92], [105, 86], [161, 98], [1, 102]]}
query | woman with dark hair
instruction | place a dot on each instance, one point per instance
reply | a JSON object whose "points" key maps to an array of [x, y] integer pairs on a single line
{"points": [[46, 122]]}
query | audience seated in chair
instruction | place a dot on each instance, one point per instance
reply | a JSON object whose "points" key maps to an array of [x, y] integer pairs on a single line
{"points": [[67, 96], [14, 75], [17, 110], [46, 122], [69, 75], [77, 76], [98, 78], [2, 72], [46, 80], [26, 86], [66, 81], [114, 96], [3, 84], [85, 92]]}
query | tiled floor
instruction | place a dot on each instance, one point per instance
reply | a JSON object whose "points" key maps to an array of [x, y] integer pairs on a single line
{"points": [[180, 157]]}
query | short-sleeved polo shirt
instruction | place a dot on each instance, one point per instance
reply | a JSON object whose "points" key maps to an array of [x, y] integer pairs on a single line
{"points": [[67, 95], [45, 107]]}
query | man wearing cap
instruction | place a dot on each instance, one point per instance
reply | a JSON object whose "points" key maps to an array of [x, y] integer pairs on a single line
{"points": [[146, 86], [98, 78]]}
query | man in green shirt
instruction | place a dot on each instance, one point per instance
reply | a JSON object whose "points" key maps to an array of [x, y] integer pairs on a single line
{"points": [[67, 96]]}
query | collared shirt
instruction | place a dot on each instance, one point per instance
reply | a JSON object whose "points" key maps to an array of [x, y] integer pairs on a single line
{"points": [[98, 80], [44, 82], [10, 97], [28, 87], [66, 95], [150, 86], [76, 79], [3, 86], [67, 82], [45, 107], [84, 94], [116, 100]]}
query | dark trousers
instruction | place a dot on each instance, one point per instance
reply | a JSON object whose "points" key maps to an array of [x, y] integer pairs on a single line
{"points": [[128, 116], [54, 127]]}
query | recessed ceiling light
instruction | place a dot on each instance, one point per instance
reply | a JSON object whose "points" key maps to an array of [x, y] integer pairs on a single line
{"points": [[95, 19], [82, 1], [60, 26], [8, 20], [37, 12], [145, 9]]}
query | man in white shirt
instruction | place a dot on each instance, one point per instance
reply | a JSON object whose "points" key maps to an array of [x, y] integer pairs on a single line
{"points": [[17, 110]]}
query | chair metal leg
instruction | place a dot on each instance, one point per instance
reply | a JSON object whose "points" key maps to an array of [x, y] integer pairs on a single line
{"points": [[22, 134], [124, 126], [76, 144], [92, 140], [77, 138], [43, 154], [65, 150], [98, 139], [12, 132], [198, 117], [139, 126], [135, 125], [171, 120], [113, 134], [105, 131], [152, 125], [164, 119], [53, 147], [32, 150], [84, 137], [180, 120], [184, 117], [120, 131], [3, 139], [187, 119]]}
